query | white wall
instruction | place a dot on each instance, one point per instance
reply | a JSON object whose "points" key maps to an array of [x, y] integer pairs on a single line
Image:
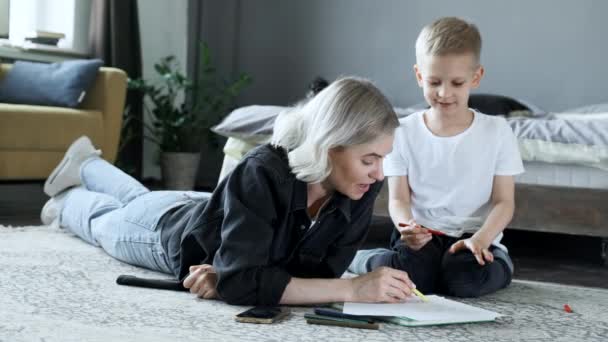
{"points": [[163, 30]]}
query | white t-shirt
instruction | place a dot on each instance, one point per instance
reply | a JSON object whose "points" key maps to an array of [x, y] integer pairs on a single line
{"points": [[451, 177]]}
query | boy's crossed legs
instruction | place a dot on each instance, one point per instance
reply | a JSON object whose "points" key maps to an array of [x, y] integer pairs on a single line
{"points": [[435, 270]]}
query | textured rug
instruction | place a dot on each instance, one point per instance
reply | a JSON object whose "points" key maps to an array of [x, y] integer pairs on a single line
{"points": [[54, 287]]}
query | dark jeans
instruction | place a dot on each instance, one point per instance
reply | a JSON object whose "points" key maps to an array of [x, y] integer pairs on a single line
{"points": [[435, 270]]}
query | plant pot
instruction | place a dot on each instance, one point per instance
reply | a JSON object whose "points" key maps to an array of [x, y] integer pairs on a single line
{"points": [[178, 169]]}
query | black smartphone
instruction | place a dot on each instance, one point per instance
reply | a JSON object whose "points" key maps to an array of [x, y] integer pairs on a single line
{"points": [[262, 315]]}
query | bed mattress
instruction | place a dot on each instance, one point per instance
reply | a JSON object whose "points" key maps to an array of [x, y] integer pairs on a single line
{"points": [[537, 173], [566, 175]]}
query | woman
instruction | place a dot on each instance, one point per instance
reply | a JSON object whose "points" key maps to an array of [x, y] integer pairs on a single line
{"points": [[281, 228]]}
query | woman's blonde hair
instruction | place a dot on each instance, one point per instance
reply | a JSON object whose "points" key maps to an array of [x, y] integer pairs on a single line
{"points": [[350, 111]]}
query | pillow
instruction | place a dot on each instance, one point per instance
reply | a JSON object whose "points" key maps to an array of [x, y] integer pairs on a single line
{"points": [[494, 105], [62, 84], [252, 124]]}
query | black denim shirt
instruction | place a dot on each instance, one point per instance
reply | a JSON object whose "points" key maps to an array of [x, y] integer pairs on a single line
{"points": [[256, 232]]}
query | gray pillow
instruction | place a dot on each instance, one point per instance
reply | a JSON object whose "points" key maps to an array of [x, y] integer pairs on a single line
{"points": [[62, 84], [251, 123], [254, 124]]}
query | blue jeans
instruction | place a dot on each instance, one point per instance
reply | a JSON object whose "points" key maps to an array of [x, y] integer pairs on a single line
{"points": [[117, 213]]}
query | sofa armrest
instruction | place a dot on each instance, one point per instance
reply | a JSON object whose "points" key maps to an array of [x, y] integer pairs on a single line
{"points": [[107, 95]]}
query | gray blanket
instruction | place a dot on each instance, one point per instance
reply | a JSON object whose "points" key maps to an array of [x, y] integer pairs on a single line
{"points": [[564, 138]]}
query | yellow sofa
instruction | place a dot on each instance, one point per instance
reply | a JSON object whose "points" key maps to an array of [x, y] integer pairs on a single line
{"points": [[33, 139]]}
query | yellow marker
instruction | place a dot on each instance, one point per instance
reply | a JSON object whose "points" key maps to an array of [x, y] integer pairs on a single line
{"points": [[419, 294]]}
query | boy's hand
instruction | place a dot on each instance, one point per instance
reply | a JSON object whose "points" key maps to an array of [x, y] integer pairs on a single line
{"points": [[481, 253], [202, 281], [414, 236]]}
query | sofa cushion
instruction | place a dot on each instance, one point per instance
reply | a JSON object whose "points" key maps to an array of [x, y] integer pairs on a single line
{"points": [[41, 128], [61, 84]]}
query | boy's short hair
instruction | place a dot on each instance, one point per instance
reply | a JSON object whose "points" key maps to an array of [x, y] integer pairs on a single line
{"points": [[447, 36]]}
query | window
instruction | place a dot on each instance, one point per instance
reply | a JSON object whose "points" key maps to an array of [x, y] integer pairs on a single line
{"points": [[4, 19], [70, 17]]}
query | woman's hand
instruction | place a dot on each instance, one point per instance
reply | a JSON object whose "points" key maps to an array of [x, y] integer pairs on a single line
{"points": [[479, 250], [414, 236], [202, 281], [384, 284]]}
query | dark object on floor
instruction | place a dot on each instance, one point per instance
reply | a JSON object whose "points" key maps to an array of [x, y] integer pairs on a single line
{"points": [[262, 315], [340, 322], [161, 284]]}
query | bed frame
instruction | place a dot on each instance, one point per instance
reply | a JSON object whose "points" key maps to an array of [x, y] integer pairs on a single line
{"points": [[575, 211], [551, 209]]}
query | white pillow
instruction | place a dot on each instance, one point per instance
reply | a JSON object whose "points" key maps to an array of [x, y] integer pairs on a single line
{"points": [[252, 124]]}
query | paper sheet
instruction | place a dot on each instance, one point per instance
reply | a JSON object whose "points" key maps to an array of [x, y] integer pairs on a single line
{"points": [[436, 309]]}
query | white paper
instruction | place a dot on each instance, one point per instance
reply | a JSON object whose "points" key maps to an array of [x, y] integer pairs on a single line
{"points": [[436, 309]]}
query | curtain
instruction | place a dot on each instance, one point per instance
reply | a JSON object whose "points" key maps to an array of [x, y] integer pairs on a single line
{"points": [[217, 24], [114, 38]]}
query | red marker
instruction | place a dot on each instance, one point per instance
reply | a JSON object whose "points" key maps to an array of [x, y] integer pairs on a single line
{"points": [[432, 231], [567, 308]]}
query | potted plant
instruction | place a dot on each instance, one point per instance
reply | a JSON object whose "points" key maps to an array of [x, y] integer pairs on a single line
{"points": [[180, 113]]}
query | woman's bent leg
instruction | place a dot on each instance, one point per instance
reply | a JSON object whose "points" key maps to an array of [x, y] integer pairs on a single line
{"points": [[98, 175], [81, 207]]}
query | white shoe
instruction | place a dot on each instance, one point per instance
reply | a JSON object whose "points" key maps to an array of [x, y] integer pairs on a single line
{"points": [[67, 173], [52, 208]]}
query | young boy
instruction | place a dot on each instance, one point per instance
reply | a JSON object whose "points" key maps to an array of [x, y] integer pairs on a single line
{"points": [[450, 176]]}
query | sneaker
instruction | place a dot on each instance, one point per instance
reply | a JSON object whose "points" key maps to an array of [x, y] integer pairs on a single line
{"points": [[67, 173], [52, 208]]}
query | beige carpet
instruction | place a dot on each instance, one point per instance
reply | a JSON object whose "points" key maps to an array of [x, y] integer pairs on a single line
{"points": [[54, 287]]}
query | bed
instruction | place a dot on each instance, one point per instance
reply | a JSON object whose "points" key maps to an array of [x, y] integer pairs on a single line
{"points": [[564, 189]]}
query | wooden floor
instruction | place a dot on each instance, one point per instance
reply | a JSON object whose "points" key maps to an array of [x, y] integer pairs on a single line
{"points": [[548, 257]]}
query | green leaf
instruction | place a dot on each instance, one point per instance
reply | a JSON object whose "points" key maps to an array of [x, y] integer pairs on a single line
{"points": [[178, 125]]}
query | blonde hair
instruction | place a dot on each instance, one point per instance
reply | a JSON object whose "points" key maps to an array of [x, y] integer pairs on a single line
{"points": [[446, 36], [350, 111]]}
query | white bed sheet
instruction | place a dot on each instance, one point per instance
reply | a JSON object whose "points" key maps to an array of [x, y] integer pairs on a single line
{"points": [[566, 175]]}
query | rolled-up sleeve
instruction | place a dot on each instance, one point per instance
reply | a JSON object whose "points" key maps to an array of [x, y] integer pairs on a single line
{"points": [[251, 201]]}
